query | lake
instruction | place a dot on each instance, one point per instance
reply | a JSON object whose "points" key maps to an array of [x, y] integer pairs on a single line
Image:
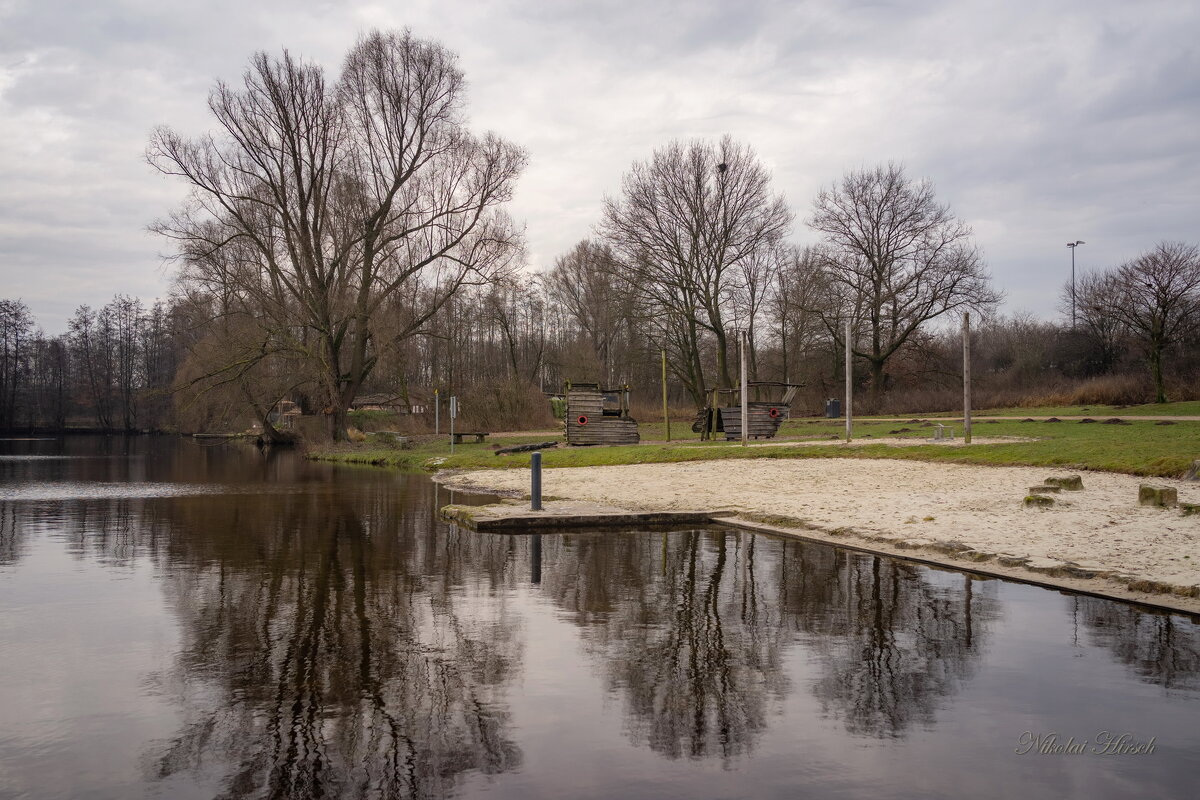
{"points": [[206, 620]]}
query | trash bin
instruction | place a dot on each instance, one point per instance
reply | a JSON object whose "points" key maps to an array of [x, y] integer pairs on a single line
{"points": [[833, 408]]}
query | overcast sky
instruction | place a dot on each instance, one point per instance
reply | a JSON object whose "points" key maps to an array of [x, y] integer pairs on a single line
{"points": [[1039, 123]]}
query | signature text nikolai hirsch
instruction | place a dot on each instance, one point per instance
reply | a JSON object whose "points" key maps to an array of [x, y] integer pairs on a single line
{"points": [[1102, 744]]}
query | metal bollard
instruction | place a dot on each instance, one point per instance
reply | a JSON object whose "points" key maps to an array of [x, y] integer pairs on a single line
{"points": [[535, 480]]}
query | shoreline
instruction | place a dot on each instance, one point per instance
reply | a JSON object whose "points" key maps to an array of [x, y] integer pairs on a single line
{"points": [[1098, 541]]}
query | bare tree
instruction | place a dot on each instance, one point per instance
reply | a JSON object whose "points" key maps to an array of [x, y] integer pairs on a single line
{"points": [[797, 284], [125, 315], [90, 335], [515, 307], [894, 259], [1104, 331], [586, 284], [757, 276], [1157, 297], [348, 197], [16, 327], [687, 219]]}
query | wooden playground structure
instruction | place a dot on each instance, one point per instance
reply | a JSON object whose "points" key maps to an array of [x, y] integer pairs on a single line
{"points": [[764, 417], [595, 415]]}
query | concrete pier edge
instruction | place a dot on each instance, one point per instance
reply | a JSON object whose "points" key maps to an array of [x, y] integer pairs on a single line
{"points": [[1082, 578]]}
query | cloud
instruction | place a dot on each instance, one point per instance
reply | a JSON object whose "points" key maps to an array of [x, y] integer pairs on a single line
{"points": [[1038, 124]]}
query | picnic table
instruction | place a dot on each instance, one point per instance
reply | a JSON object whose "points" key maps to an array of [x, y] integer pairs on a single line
{"points": [[479, 436]]}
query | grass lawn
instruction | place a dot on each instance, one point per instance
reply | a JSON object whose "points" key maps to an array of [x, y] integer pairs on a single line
{"points": [[1142, 447], [1190, 408]]}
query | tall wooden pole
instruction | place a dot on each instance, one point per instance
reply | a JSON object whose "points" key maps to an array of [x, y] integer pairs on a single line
{"points": [[966, 337], [745, 395], [849, 383]]}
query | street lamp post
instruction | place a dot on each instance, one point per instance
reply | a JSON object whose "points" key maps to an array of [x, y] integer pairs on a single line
{"points": [[1073, 245]]}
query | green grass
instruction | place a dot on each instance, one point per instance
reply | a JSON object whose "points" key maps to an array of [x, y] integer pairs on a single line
{"points": [[1140, 448], [1190, 408]]}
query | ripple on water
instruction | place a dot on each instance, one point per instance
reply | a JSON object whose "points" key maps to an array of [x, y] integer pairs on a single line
{"points": [[70, 458], [71, 490]]}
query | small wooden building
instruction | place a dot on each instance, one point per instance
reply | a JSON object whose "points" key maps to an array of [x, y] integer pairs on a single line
{"points": [[598, 416]]}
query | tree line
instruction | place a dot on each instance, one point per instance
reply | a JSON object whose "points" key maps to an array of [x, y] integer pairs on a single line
{"points": [[345, 235], [114, 368]]}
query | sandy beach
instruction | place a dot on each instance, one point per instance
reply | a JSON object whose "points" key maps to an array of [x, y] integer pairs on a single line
{"points": [[1098, 539]]}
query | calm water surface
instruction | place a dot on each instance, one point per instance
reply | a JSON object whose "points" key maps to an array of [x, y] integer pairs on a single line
{"points": [[186, 621]]}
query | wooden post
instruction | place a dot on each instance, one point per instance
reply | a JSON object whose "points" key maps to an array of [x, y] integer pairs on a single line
{"points": [[437, 411], [744, 393], [966, 341], [849, 383], [666, 417]]}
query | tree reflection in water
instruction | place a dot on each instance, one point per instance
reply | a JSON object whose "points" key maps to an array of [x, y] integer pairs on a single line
{"points": [[331, 649], [891, 638], [691, 629], [336, 641], [1161, 648], [677, 624], [12, 531]]}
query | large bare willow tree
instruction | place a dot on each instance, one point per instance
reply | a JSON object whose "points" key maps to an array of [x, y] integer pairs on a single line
{"points": [[319, 206], [893, 259], [689, 221]]}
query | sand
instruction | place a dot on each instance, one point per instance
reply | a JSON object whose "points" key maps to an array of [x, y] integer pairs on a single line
{"points": [[920, 507]]}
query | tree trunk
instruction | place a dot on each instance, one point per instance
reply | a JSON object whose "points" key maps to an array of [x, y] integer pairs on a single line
{"points": [[723, 359], [271, 434], [877, 384], [1160, 391], [339, 422]]}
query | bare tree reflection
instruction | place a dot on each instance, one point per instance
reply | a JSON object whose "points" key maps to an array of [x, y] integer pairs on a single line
{"points": [[13, 530], [680, 626], [892, 641], [1161, 648], [691, 629], [331, 649]]}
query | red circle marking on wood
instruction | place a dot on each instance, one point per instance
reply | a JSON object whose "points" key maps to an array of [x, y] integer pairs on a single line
{"points": [[582, 420], [774, 412]]}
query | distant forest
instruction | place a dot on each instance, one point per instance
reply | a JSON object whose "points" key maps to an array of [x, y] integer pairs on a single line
{"points": [[126, 366], [345, 237]]}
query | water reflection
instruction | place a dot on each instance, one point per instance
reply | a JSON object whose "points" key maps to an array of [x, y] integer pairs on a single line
{"points": [[682, 632], [334, 639], [892, 644], [10, 534], [692, 629], [336, 652], [1159, 648]]}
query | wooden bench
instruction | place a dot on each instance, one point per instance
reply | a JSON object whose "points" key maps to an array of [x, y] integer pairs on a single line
{"points": [[479, 436]]}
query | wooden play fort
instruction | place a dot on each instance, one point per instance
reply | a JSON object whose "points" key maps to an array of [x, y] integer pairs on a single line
{"points": [[598, 416], [764, 417]]}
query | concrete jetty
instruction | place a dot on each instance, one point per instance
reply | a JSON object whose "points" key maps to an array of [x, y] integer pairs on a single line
{"points": [[515, 516]]}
